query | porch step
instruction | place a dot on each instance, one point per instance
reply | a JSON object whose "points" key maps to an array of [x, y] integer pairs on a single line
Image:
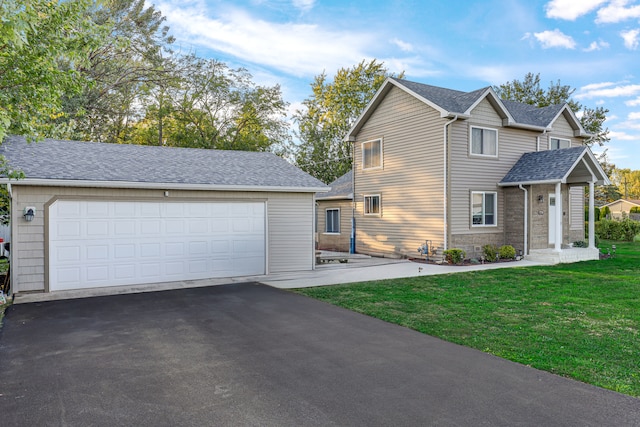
{"points": [[550, 256]]}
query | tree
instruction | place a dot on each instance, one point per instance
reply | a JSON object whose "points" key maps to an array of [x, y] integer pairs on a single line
{"points": [[43, 43], [529, 91], [627, 182], [130, 57], [209, 105], [329, 113]]}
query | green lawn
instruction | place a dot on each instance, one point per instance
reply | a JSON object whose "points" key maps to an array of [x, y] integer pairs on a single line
{"points": [[577, 320]]}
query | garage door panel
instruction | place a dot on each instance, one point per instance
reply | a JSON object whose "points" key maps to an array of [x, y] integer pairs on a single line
{"points": [[145, 242]]}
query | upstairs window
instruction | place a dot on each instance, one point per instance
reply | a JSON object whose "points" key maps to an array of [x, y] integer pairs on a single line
{"points": [[484, 142], [332, 224], [372, 205], [558, 143], [372, 154], [484, 206]]}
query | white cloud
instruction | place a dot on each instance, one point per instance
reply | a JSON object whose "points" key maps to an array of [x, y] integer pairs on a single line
{"points": [[622, 136], [633, 102], [404, 46], [631, 38], [555, 38], [304, 5], [592, 91], [597, 46], [571, 9], [635, 115], [594, 86], [617, 11], [296, 49]]}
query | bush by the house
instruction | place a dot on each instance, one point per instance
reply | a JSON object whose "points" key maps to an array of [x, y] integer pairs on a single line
{"points": [[635, 209], [580, 244], [625, 229], [490, 253], [605, 212], [636, 238], [454, 255], [507, 252]]}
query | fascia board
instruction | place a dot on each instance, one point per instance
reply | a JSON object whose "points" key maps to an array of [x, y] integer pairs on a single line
{"points": [[159, 185]]}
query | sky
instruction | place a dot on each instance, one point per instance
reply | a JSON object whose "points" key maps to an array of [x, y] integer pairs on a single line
{"points": [[590, 45]]}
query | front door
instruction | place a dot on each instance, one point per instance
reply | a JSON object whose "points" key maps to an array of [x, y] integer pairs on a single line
{"points": [[552, 219]]}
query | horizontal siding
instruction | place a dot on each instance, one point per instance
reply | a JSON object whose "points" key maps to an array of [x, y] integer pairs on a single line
{"points": [[332, 241], [290, 225], [576, 207], [472, 173], [411, 181]]}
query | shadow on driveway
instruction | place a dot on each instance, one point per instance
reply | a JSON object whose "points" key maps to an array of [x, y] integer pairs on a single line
{"points": [[249, 354]]}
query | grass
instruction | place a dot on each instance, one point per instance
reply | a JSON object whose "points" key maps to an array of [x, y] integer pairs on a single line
{"points": [[577, 320]]}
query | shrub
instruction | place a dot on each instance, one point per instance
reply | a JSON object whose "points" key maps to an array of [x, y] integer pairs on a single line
{"points": [[454, 255], [605, 212], [635, 209], [636, 238], [580, 244], [507, 252], [624, 230], [490, 252], [596, 213]]}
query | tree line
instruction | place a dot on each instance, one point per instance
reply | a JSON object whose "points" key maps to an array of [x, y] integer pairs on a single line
{"points": [[108, 71]]}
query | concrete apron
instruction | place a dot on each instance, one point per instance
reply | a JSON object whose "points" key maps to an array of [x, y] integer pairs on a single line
{"points": [[359, 268]]}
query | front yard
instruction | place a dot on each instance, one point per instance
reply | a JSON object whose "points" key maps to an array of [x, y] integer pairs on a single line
{"points": [[577, 320]]}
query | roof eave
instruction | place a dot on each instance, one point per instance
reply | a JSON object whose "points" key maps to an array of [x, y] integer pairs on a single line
{"points": [[513, 184], [159, 185]]}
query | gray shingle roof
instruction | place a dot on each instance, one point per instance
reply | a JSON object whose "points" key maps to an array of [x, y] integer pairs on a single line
{"points": [[341, 188], [541, 166], [457, 102], [54, 159]]}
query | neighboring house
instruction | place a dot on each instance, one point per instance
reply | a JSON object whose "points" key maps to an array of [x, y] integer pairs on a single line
{"points": [[334, 211], [450, 167], [115, 215], [622, 206]]}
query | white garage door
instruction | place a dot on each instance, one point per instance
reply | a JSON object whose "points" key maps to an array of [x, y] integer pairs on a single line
{"points": [[112, 243]]}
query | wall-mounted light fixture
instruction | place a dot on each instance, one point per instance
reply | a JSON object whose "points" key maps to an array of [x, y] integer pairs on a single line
{"points": [[540, 198], [29, 213]]}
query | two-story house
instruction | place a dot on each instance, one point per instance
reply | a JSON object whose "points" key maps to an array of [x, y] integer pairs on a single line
{"points": [[466, 169]]}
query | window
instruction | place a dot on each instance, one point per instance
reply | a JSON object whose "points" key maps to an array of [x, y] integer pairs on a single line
{"points": [[372, 154], [332, 224], [372, 205], [484, 142], [557, 143], [484, 206]]}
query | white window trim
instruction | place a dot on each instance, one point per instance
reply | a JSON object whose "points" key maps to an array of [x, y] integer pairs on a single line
{"points": [[335, 233], [381, 154], [495, 207], [559, 139], [364, 205], [487, 156]]}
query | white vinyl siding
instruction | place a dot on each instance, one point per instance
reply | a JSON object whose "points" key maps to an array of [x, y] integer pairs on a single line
{"points": [[332, 221], [559, 143], [372, 204], [372, 154], [484, 142], [484, 208]]}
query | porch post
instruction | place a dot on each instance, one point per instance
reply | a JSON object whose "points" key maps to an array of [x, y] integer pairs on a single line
{"points": [[592, 225], [559, 233]]}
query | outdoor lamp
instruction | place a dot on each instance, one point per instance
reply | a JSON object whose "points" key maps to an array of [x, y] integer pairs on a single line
{"points": [[29, 213]]}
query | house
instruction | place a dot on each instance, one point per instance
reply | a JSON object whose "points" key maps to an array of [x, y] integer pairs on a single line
{"points": [[334, 213], [622, 206], [92, 215], [465, 169]]}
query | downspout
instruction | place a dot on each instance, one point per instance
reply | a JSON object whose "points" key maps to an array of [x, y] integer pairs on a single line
{"points": [[446, 179], [11, 271], [526, 219], [352, 239], [538, 140]]}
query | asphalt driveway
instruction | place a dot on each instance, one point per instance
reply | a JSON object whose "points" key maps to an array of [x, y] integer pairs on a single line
{"points": [[248, 354]]}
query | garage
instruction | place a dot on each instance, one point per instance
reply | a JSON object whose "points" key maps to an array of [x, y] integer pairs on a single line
{"points": [[90, 215], [115, 243]]}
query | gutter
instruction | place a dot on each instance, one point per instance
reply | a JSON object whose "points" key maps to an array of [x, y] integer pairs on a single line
{"points": [[446, 180], [161, 186]]}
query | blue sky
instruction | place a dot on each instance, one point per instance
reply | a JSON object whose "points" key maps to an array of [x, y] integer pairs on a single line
{"points": [[591, 45]]}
